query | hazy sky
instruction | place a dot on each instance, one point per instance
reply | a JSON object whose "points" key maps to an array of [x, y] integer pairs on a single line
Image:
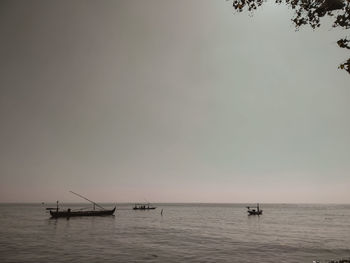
{"points": [[170, 101]]}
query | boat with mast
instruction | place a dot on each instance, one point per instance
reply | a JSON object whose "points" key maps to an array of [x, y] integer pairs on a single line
{"points": [[56, 212], [254, 211]]}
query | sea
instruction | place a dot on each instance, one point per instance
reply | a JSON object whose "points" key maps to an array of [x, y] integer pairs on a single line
{"points": [[182, 233]]}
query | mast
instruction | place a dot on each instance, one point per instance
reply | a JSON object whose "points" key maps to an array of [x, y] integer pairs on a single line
{"points": [[88, 200]]}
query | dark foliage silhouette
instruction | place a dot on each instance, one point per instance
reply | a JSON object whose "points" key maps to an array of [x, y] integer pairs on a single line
{"points": [[309, 12]]}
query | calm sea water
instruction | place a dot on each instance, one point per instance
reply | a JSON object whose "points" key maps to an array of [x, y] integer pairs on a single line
{"points": [[185, 233]]}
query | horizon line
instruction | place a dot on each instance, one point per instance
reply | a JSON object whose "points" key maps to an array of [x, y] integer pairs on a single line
{"points": [[131, 202]]}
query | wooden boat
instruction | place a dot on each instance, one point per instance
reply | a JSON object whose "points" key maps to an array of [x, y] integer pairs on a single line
{"points": [[69, 213], [254, 211], [143, 207], [56, 212]]}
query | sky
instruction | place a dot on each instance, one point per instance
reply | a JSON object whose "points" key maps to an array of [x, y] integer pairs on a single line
{"points": [[170, 101]]}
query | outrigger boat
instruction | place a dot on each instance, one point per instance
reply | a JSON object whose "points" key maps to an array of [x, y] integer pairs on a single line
{"points": [[254, 211], [55, 212], [143, 207]]}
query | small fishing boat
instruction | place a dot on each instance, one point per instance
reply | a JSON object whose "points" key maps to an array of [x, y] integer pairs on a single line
{"points": [[70, 213], [143, 207], [56, 212], [254, 211]]}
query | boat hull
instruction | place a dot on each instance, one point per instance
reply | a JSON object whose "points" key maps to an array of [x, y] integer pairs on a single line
{"points": [[147, 208], [251, 213], [56, 214]]}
